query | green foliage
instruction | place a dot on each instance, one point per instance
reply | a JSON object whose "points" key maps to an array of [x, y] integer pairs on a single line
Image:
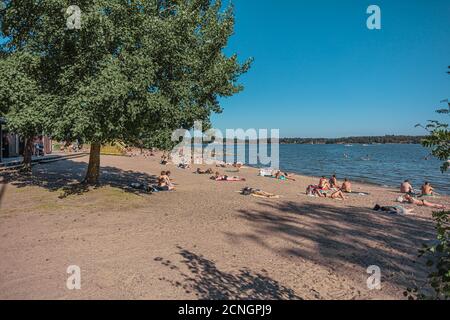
{"points": [[438, 260], [135, 68], [21, 99], [438, 254], [439, 139]]}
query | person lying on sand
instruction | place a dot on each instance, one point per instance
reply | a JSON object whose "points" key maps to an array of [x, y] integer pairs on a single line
{"points": [[258, 193], [282, 175], [406, 187], [221, 164], [346, 186], [200, 171], [315, 191], [396, 209], [422, 203], [427, 190], [218, 177], [337, 195]]}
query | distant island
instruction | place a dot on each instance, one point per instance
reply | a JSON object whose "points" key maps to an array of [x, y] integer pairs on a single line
{"points": [[356, 140]]}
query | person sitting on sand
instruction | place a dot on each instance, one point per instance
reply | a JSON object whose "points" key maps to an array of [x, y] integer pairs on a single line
{"points": [[258, 193], [323, 183], [164, 183], [218, 177], [346, 186], [164, 159], [334, 182], [406, 187], [422, 203], [427, 190], [238, 165]]}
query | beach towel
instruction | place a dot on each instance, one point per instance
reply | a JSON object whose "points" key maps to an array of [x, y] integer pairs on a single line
{"points": [[266, 172]]}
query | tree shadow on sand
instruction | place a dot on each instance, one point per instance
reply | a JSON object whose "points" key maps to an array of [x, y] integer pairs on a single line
{"points": [[341, 238], [67, 175], [207, 282]]}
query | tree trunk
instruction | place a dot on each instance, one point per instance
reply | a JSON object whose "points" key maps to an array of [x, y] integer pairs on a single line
{"points": [[93, 171], [27, 154]]}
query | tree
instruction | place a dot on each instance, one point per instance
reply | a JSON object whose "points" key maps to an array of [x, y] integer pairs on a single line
{"points": [[144, 66], [21, 100], [438, 254], [439, 139]]}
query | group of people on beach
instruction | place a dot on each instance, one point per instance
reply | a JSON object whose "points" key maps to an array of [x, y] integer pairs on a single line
{"points": [[412, 197], [326, 188], [330, 188]]}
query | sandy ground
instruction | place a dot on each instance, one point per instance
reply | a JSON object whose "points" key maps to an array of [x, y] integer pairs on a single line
{"points": [[204, 241]]}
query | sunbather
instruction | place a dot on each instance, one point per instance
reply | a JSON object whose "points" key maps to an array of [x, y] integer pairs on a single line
{"points": [[396, 209], [427, 190], [218, 177], [406, 187], [338, 195], [422, 203], [283, 175], [334, 182], [200, 171], [164, 183], [346, 186], [258, 193], [323, 183]]}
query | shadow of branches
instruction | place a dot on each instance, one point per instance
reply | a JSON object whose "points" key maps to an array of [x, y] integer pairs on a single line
{"points": [[341, 238], [67, 175], [207, 282]]}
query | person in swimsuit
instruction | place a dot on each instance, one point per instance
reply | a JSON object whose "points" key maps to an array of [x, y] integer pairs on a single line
{"points": [[218, 177], [423, 203], [406, 187], [338, 195], [334, 182], [323, 183], [427, 190], [164, 183], [346, 186], [200, 171], [258, 193], [282, 176]]}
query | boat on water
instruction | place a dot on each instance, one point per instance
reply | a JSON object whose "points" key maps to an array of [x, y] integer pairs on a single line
{"points": [[349, 145]]}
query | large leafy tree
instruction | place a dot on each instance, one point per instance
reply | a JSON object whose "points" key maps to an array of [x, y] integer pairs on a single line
{"points": [[134, 68], [21, 100]]}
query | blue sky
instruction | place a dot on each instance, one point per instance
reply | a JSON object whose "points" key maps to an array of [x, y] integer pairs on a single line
{"points": [[319, 72]]}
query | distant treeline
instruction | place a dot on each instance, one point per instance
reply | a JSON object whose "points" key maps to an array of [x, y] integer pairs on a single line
{"points": [[355, 140]]}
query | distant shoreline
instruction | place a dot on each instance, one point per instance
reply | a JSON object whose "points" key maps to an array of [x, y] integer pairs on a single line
{"points": [[367, 140]]}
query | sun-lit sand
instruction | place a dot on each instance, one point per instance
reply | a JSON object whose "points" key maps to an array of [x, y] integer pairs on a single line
{"points": [[203, 241]]}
